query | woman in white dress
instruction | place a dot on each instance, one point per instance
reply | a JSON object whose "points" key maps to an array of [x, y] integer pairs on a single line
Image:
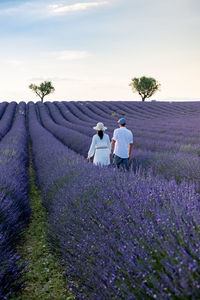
{"points": [[100, 146]]}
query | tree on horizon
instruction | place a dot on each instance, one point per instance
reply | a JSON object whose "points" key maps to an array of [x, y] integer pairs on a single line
{"points": [[44, 89], [144, 86]]}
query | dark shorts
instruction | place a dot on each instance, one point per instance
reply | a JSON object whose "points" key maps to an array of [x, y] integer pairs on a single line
{"points": [[121, 161]]}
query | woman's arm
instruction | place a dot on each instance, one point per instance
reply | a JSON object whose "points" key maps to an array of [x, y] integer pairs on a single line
{"points": [[92, 148]]}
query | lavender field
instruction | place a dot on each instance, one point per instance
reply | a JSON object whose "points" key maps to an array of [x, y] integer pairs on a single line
{"points": [[118, 235]]}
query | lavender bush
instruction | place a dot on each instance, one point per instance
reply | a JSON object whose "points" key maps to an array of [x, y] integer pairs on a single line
{"points": [[14, 203], [3, 106], [70, 116], [56, 115], [73, 139], [120, 235], [172, 151], [7, 118]]}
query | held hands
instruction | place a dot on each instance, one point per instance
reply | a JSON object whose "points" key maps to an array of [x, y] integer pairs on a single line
{"points": [[88, 159]]}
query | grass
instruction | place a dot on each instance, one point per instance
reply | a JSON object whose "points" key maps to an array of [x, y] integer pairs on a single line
{"points": [[45, 278]]}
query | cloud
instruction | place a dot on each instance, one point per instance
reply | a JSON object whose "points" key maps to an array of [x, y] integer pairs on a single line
{"points": [[57, 9], [67, 55], [43, 10]]}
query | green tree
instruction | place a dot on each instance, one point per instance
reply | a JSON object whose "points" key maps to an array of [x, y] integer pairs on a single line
{"points": [[44, 89], [144, 86]]}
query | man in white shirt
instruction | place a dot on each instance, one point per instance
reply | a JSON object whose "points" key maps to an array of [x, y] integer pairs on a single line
{"points": [[122, 143]]}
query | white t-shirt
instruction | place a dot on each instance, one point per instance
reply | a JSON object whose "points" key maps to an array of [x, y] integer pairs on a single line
{"points": [[123, 137]]}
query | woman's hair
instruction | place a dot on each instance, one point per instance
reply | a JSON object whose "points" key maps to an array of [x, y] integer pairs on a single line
{"points": [[100, 134]]}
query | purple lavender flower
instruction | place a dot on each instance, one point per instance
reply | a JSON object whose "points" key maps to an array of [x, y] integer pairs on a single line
{"points": [[14, 203], [121, 235]]}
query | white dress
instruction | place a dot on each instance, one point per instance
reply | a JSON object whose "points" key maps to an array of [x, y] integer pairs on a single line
{"points": [[100, 149]]}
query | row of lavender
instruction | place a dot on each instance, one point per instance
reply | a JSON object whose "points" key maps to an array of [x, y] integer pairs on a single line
{"points": [[77, 136], [14, 185], [120, 235], [157, 135], [63, 117], [178, 130], [181, 136]]}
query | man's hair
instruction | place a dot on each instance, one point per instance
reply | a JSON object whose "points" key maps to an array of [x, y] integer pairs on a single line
{"points": [[123, 124]]}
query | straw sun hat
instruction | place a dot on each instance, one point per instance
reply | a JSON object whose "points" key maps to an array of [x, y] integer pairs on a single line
{"points": [[100, 126]]}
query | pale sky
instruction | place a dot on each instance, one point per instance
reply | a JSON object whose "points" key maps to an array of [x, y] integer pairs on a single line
{"points": [[91, 49]]}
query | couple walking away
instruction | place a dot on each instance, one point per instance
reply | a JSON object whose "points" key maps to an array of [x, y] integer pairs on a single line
{"points": [[101, 146]]}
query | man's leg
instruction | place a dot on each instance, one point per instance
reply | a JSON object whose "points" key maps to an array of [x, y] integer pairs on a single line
{"points": [[117, 161], [125, 164]]}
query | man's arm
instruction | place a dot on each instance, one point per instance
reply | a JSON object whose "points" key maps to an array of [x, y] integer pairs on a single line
{"points": [[129, 150], [130, 145], [112, 147], [112, 144]]}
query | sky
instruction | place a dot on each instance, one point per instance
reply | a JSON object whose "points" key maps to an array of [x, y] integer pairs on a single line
{"points": [[91, 49]]}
